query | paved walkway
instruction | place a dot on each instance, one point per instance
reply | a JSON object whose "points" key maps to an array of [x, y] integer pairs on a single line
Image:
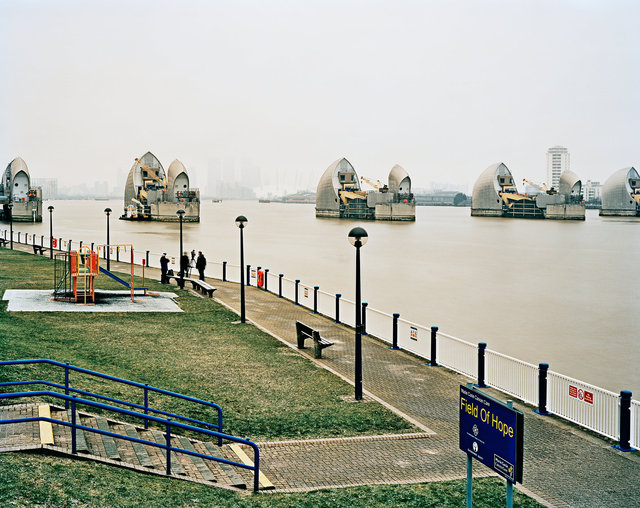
{"points": [[564, 465]]}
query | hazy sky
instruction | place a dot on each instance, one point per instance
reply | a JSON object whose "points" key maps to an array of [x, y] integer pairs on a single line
{"points": [[444, 88]]}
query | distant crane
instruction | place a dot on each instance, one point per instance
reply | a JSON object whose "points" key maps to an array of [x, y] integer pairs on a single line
{"points": [[376, 185], [152, 174], [541, 188]]}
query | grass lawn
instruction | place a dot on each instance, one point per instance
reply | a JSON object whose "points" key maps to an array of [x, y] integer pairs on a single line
{"points": [[266, 390]]}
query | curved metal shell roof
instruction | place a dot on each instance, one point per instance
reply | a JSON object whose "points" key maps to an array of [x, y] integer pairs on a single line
{"points": [[14, 167], [399, 179], [485, 191], [328, 186], [134, 179], [175, 169], [570, 184], [616, 191]]}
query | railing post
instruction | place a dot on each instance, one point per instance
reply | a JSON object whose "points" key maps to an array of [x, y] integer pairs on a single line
{"points": [[219, 425], [280, 285], [168, 439], [248, 275], [297, 285], [147, 259], [625, 422], [224, 271], [41, 240], [266, 278], [363, 321], [66, 384], [482, 346], [146, 403], [33, 239], [60, 244], [74, 449], [256, 472], [18, 236], [315, 299], [543, 369], [117, 253], [394, 343], [80, 245], [433, 360], [69, 246], [338, 295], [91, 246]]}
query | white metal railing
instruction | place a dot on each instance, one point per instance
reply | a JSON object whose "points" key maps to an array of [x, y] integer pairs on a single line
{"points": [[635, 424], [379, 324], [581, 403], [587, 405], [458, 355], [511, 376]]}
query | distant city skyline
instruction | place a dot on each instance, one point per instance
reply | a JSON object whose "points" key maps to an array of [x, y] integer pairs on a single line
{"points": [[268, 95]]}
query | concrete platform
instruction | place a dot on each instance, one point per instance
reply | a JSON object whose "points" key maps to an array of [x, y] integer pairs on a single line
{"points": [[26, 300]]}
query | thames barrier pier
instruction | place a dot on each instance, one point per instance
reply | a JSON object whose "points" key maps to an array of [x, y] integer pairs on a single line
{"points": [[339, 195], [152, 195], [20, 202]]}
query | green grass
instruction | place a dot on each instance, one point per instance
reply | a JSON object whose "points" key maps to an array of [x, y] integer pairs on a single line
{"points": [[33, 479], [266, 390]]}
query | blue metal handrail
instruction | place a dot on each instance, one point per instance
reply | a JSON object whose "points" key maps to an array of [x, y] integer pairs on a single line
{"points": [[167, 422], [145, 387]]}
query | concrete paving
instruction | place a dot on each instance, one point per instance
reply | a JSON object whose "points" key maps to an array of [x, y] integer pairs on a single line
{"points": [[564, 464], [31, 300]]}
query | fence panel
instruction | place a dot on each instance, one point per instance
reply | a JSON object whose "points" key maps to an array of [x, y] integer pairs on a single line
{"points": [[327, 304], [458, 355], [512, 376], [272, 282], [347, 312], [412, 337], [288, 289], [584, 404], [305, 296], [380, 324], [635, 424]]}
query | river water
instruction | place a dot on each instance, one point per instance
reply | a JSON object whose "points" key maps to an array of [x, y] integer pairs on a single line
{"points": [[561, 292]]}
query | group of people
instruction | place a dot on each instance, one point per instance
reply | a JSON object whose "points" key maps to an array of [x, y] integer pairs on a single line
{"points": [[185, 265]]}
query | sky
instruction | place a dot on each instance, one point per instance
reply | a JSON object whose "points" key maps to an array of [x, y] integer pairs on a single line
{"points": [[269, 94]]}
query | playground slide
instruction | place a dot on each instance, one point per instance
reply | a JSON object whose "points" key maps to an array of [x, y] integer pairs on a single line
{"points": [[118, 279]]}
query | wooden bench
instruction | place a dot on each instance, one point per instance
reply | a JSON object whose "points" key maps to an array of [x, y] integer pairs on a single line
{"points": [[37, 249], [3, 242], [200, 285], [306, 332]]}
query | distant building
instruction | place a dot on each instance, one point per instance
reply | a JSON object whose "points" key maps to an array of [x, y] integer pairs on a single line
{"points": [[49, 187], [557, 163], [621, 194], [592, 191]]}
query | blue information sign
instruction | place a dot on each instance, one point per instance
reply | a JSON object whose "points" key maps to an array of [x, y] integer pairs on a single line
{"points": [[492, 433]]}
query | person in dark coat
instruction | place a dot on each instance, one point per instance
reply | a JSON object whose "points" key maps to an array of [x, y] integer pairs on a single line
{"points": [[200, 264], [164, 267], [184, 265]]}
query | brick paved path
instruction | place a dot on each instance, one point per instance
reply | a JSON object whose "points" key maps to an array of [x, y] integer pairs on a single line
{"points": [[564, 465]]}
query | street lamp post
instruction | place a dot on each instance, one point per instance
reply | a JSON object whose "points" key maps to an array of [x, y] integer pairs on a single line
{"points": [[50, 208], [10, 205], [181, 213], [107, 212], [241, 220], [358, 237]]}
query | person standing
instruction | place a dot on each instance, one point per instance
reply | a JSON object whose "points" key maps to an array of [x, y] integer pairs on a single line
{"points": [[184, 265], [164, 266], [201, 263]]}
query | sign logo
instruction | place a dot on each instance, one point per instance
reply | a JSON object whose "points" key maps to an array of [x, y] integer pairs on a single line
{"points": [[413, 333], [578, 393], [306, 292]]}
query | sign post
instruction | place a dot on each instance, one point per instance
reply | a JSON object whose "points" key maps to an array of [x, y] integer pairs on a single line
{"points": [[491, 432]]}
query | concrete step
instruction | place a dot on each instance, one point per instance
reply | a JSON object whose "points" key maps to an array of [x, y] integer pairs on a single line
{"points": [[108, 442], [206, 473], [138, 448], [176, 466]]}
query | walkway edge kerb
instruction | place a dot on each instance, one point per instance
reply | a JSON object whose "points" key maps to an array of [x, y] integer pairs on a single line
{"points": [[348, 439], [391, 408]]}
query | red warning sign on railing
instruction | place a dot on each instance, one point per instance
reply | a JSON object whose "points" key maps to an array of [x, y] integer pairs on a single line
{"points": [[580, 394]]}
